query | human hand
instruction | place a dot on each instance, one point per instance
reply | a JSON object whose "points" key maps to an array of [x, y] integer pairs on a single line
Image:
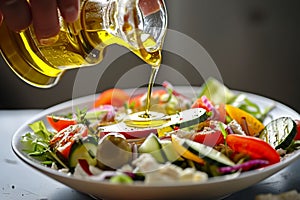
{"points": [[42, 14]]}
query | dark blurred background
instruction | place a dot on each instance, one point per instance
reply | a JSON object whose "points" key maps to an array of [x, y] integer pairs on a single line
{"points": [[255, 45]]}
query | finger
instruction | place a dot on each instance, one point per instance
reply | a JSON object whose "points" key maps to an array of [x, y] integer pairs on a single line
{"points": [[69, 9], [45, 20], [16, 13]]}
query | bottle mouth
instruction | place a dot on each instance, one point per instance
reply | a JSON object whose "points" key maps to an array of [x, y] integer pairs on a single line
{"points": [[154, 17]]}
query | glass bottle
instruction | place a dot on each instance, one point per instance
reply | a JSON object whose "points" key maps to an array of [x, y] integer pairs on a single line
{"points": [[82, 43]]}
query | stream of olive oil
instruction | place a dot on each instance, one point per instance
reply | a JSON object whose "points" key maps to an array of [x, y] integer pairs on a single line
{"points": [[146, 118]]}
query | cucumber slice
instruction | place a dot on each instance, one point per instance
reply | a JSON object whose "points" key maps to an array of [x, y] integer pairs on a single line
{"points": [[169, 150], [191, 117], [182, 119], [153, 146], [204, 152], [279, 133], [83, 149]]}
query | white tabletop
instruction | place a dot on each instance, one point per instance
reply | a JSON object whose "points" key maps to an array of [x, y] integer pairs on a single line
{"points": [[20, 181]]}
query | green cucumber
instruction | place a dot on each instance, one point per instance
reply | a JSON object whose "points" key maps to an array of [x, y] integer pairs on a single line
{"points": [[162, 150], [169, 151], [184, 119], [153, 146], [181, 120], [279, 133], [207, 153], [191, 117], [83, 149]]}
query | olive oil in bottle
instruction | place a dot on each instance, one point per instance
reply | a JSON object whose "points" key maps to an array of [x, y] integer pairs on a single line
{"points": [[82, 43]]}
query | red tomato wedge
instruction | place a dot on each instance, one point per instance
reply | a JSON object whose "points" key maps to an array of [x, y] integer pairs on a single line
{"points": [[85, 166], [211, 138], [115, 97], [137, 101], [252, 146], [64, 139], [199, 104], [59, 123]]}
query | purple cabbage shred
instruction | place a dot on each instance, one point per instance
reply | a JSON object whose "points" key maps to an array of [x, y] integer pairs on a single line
{"points": [[246, 166]]}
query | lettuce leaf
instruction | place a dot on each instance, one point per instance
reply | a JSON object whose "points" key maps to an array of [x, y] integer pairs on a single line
{"points": [[37, 144]]}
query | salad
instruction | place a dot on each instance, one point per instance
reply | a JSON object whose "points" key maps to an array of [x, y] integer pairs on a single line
{"points": [[227, 137]]}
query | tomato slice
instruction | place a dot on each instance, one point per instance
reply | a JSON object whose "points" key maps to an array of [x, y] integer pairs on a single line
{"points": [[252, 146], [115, 97], [297, 137], [62, 142], [136, 102], [65, 150], [85, 166], [210, 138], [199, 104], [221, 112], [59, 123], [157, 94]]}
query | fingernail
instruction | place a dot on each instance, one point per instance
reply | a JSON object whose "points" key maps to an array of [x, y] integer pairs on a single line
{"points": [[49, 41]]}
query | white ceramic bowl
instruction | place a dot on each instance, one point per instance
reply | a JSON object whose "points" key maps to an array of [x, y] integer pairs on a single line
{"points": [[214, 188]]}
